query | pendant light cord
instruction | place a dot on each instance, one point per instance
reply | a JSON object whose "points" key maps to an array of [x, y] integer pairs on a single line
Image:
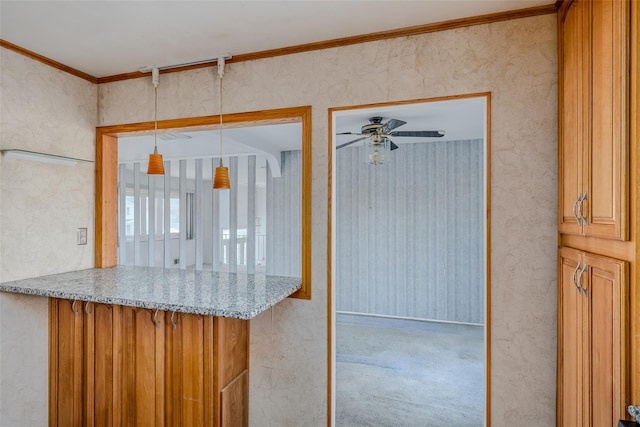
{"points": [[155, 119], [220, 120]]}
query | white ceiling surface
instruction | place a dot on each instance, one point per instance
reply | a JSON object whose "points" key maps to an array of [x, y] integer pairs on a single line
{"points": [[104, 38], [463, 118], [270, 139]]}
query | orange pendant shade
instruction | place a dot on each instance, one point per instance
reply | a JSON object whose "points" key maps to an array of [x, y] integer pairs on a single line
{"points": [[221, 178], [156, 166]]}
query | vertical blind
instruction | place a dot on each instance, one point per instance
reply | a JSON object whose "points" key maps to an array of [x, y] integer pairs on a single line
{"points": [[410, 233], [179, 221]]}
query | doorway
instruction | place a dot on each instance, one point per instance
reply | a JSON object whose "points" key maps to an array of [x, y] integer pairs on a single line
{"points": [[409, 277]]}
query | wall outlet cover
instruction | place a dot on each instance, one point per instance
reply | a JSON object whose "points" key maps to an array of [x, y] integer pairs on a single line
{"points": [[82, 236]]}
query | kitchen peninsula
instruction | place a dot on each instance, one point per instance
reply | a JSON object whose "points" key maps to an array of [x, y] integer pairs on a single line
{"points": [[151, 346]]}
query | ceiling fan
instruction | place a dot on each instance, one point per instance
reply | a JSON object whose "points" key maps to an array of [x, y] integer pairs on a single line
{"points": [[381, 132]]}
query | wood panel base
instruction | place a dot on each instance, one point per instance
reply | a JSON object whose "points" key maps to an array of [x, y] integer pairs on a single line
{"points": [[112, 365]]}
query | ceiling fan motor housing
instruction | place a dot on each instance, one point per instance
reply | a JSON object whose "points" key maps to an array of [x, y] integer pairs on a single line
{"points": [[371, 129], [374, 127]]}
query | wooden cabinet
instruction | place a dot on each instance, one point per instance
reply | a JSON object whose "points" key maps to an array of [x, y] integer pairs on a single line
{"points": [[199, 380], [113, 365], [66, 354], [143, 365], [599, 204], [101, 362], [592, 329], [594, 118]]}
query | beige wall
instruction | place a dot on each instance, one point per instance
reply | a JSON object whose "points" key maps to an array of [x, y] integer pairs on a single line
{"points": [[41, 207], [516, 62]]}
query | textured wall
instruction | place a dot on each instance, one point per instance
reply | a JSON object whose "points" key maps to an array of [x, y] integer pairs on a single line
{"points": [[410, 233], [41, 207], [516, 62]]}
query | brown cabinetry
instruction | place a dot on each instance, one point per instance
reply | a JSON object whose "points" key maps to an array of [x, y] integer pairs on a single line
{"points": [[598, 194], [143, 362], [66, 353], [592, 309], [594, 111], [113, 365]]}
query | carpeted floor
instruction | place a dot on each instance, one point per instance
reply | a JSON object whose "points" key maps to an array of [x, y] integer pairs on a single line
{"points": [[402, 373]]}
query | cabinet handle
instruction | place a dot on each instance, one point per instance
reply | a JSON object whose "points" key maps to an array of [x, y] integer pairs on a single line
{"points": [[155, 318], [575, 283], [574, 209], [173, 322], [584, 268], [583, 197], [86, 308], [73, 307]]}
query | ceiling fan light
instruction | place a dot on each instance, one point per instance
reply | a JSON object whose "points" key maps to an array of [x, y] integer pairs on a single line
{"points": [[156, 165], [376, 157]]}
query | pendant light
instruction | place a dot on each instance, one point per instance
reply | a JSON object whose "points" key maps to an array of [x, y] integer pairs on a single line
{"points": [[156, 165], [221, 177]]}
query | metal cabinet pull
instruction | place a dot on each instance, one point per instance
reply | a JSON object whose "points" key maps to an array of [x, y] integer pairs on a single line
{"points": [[580, 210], [73, 307], [155, 319], [584, 268], [173, 322], [574, 210], [573, 277], [86, 308]]}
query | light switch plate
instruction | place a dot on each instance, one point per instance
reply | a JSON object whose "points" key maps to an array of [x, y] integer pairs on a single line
{"points": [[82, 236]]}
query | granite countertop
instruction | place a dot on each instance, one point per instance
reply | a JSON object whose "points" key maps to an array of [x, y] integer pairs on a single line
{"points": [[240, 296]]}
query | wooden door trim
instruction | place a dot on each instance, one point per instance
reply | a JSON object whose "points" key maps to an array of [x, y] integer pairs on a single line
{"points": [[330, 307], [106, 202], [633, 366]]}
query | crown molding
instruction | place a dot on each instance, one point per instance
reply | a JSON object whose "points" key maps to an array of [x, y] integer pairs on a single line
{"points": [[308, 47], [50, 62]]}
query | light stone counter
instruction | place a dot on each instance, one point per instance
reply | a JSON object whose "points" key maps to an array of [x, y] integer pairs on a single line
{"points": [[240, 296]]}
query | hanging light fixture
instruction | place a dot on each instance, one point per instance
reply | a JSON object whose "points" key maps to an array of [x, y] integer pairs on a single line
{"points": [[221, 177], [156, 165], [374, 149]]}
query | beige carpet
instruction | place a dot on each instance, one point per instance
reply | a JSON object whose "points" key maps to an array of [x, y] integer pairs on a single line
{"points": [[400, 373]]}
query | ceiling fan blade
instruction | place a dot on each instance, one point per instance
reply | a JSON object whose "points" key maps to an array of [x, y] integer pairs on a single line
{"points": [[420, 133], [350, 142], [391, 125], [349, 133], [389, 143]]}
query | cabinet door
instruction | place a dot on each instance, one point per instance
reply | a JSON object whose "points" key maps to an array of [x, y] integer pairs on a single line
{"points": [[606, 172], [65, 363], [570, 349], [232, 353], [190, 371], [102, 363], [234, 411], [143, 367], [607, 288], [571, 117]]}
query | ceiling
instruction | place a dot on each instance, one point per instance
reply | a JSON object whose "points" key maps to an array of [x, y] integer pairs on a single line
{"points": [[106, 38], [461, 118]]}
